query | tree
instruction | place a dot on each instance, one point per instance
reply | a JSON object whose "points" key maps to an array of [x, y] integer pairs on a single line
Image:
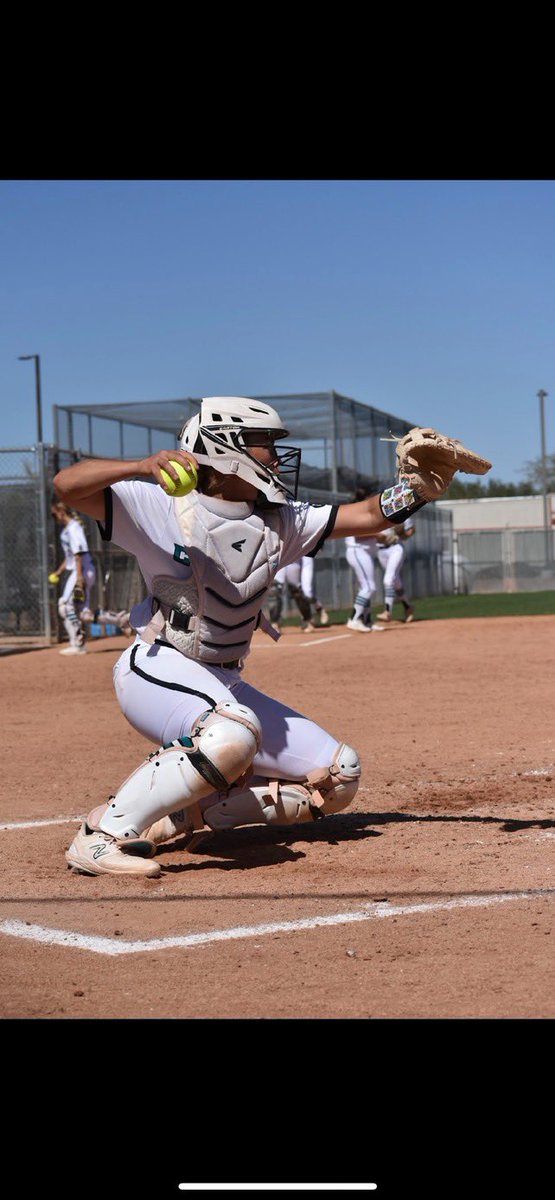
{"points": [[534, 473], [459, 489]]}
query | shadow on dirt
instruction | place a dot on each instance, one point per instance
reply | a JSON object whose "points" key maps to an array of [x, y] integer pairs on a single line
{"points": [[256, 846]]}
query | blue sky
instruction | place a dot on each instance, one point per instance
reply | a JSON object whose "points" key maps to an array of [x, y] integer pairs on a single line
{"points": [[431, 299]]}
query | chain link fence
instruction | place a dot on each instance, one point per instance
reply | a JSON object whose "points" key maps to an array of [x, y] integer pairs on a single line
{"points": [[30, 551], [25, 609]]}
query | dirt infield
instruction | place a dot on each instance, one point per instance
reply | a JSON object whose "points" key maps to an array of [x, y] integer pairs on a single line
{"points": [[433, 896]]}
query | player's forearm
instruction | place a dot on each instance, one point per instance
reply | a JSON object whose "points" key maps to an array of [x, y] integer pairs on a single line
{"points": [[364, 519], [86, 478]]}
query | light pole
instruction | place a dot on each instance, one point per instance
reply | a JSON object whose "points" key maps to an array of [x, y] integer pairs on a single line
{"points": [[541, 397], [26, 358]]}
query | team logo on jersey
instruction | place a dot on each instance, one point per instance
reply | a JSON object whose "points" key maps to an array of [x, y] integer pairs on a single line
{"points": [[239, 545], [180, 555]]}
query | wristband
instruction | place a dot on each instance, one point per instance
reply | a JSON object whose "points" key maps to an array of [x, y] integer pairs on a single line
{"points": [[399, 502]]}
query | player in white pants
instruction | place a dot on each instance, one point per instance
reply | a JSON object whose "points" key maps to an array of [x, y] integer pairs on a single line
{"points": [[391, 557], [361, 554], [74, 604], [226, 754], [299, 578], [308, 588]]}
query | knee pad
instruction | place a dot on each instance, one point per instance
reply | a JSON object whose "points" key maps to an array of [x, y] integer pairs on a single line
{"points": [[220, 750], [286, 802]]}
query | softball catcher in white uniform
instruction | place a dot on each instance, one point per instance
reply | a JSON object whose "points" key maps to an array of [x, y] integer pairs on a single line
{"points": [[226, 754], [391, 557], [75, 600]]}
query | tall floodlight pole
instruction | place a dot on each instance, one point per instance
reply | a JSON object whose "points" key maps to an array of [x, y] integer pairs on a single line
{"points": [[43, 518], [36, 357], [541, 397]]}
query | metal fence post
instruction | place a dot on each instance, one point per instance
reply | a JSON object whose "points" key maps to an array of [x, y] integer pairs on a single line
{"points": [[43, 537]]}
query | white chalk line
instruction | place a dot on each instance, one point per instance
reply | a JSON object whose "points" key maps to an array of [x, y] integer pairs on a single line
{"points": [[277, 1187], [37, 824], [110, 946], [336, 637]]}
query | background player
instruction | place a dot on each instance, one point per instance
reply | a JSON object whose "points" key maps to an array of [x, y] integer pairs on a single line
{"points": [[361, 554], [299, 578], [391, 557], [227, 755], [308, 588], [74, 604]]}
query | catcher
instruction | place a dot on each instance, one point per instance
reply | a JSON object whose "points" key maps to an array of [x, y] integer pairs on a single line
{"points": [[226, 754]]}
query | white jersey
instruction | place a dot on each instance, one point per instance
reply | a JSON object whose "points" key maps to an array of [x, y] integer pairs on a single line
{"points": [[143, 519], [371, 544], [396, 540], [74, 541]]}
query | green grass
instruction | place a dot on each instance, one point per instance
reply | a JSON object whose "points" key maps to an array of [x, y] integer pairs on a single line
{"points": [[445, 608]]}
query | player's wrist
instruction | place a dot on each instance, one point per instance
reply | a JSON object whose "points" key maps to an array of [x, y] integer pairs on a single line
{"points": [[399, 502]]}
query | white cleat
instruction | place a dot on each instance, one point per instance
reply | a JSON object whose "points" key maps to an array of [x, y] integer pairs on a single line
{"points": [[95, 853], [358, 625], [385, 616], [74, 650], [308, 627], [377, 628], [324, 618], [409, 617]]}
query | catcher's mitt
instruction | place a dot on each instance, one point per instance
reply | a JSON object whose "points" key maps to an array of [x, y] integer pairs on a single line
{"points": [[78, 594], [428, 460], [390, 538]]}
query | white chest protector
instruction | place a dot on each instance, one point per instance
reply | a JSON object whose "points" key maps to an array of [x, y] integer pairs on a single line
{"points": [[233, 553]]}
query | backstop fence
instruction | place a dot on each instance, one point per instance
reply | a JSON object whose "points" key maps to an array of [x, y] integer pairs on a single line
{"points": [[30, 551]]}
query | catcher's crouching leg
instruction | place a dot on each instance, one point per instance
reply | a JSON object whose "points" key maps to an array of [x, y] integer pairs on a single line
{"points": [[118, 837], [288, 802]]}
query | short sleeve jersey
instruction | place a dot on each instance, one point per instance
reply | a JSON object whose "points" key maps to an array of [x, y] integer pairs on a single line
{"points": [[74, 541], [140, 517]]}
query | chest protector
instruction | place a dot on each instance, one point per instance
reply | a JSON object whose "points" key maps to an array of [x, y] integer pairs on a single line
{"points": [[233, 553]]}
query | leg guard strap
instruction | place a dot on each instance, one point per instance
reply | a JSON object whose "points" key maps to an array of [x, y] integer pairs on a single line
{"points": [[180, 774]]}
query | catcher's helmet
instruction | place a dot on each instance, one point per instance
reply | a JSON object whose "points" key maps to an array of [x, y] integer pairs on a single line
{"points": [[216, 437]]}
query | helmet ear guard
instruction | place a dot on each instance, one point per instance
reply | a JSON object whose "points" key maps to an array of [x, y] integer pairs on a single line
{"points": [[215, 437]]}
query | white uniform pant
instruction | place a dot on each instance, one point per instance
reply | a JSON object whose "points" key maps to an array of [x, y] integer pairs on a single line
{"points": [[391, 559], [162, 693], [68, 609], [361, 561], [293, 575]]}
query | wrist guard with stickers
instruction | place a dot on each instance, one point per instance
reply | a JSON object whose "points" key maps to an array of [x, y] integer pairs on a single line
{"points": [[399, 502]]}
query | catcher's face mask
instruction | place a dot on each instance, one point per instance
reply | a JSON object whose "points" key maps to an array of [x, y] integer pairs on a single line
{"points": [[228, 428]]}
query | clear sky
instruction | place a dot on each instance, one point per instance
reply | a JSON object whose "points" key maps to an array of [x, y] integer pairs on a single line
{"points": [[431, 299]]}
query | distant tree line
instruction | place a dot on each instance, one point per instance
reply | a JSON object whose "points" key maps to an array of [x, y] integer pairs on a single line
{"points": [[532, 484]]}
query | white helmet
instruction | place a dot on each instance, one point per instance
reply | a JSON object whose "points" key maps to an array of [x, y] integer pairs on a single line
{"points": [[216, 438]]}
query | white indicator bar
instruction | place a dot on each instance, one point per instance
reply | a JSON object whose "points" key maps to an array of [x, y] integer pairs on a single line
{"points": [[278, 1187]]}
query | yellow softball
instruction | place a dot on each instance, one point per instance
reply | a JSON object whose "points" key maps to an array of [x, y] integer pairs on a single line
{"points": [[188, 477], [53, 578]]}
